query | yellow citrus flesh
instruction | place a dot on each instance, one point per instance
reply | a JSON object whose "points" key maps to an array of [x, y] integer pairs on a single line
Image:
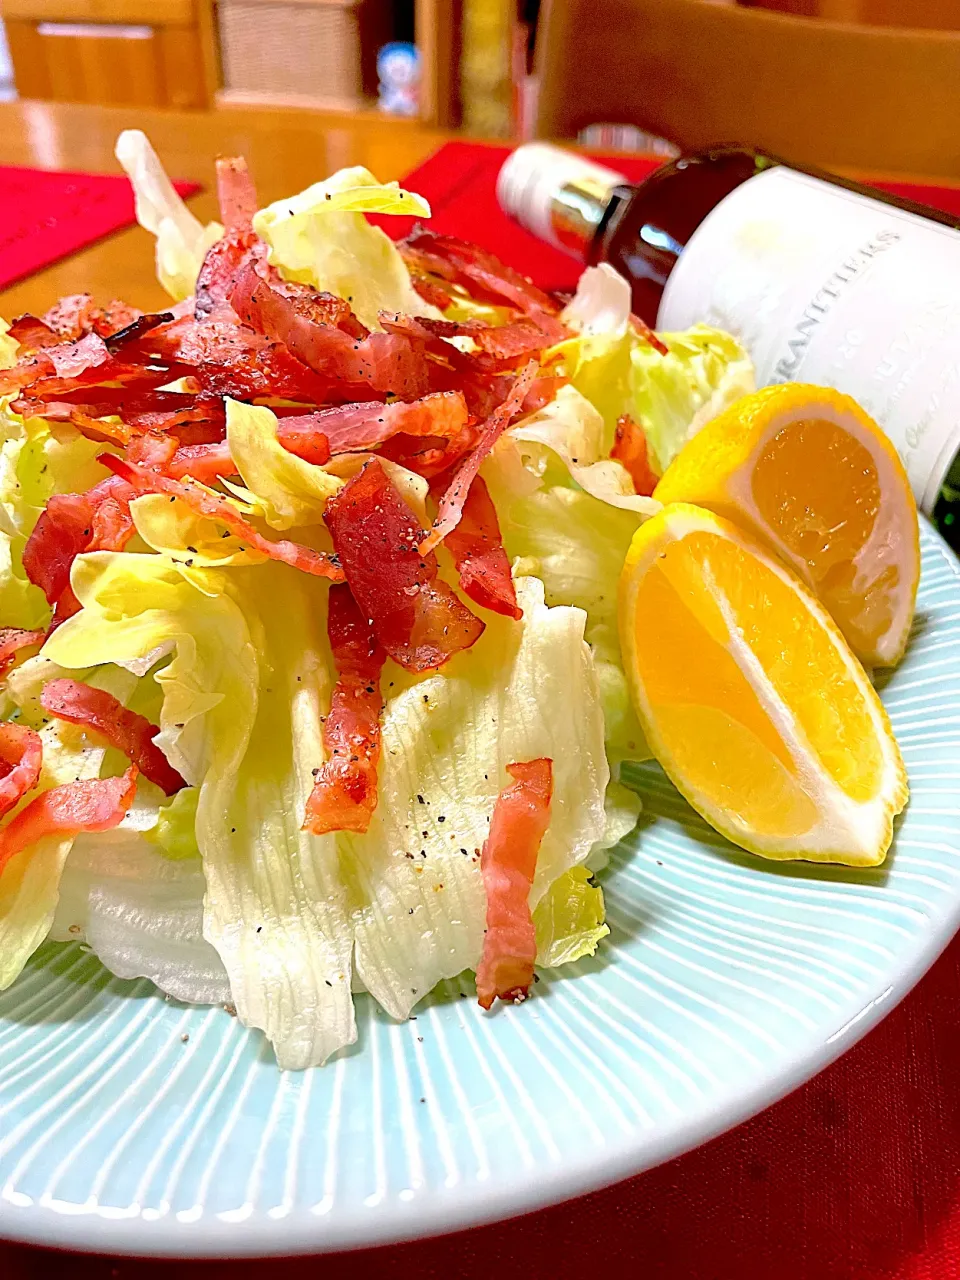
{"points": [[750, 697], [809, 473]]}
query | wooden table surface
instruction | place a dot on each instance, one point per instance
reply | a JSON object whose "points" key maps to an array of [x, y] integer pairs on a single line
{"points": [[286, 151]]}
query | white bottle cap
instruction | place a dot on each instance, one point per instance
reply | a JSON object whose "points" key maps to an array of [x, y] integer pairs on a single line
{"points": [[533, 176]]}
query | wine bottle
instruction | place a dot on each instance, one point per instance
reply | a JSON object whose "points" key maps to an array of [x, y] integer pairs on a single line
{"points": [[822, 280]]}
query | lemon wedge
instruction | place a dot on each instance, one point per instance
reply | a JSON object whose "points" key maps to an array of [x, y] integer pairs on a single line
{"points": [[750, 697], [814, 477]]}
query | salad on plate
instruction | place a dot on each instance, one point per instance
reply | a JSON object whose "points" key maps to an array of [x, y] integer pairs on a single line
{"points": [[335, 596]]}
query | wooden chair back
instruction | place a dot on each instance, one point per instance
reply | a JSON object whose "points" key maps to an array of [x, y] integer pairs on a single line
{"points": [[878, 99]]}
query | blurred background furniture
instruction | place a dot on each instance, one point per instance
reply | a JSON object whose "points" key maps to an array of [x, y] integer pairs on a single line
{"points": [[697, 73], [868, 82], [136, 52]]}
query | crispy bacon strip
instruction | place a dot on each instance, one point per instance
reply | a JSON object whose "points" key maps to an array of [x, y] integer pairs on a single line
{"points": [[354, 428], [451, 503], [477, 550], [21, 755], [203, 462], [429, 456], [430, 291], [478, 271], [71, 523], [385, 363], [12, 640], [502, 346], [630, 450], [130, 733], [508, 863], [95, 805], [416, 617], [216, 507], [236, 194], [32, 334], [345, 791], [77, 314], [644, 330]]}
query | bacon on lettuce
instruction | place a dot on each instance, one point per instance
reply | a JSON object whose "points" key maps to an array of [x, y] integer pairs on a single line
{"points": [[416, 617], [455, 494], [98, 804], [476, 546], [631, 451], [21, 755], [70, 524], [345, 790], [207, 503], [356, 428], [12, 641], [508, 863], [101, 712]]}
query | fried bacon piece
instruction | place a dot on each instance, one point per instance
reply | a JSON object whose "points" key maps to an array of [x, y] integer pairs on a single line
{"points": [[416, 617], [345, 791], [630, 450], [95, 805], [71, 523], [130, 733], [508, 863], [451, 503], [384, 363], [225, 259], [501, 346], [480, 272], [643, 329], [477, 550], [355, 428], [203, 462], [429, 456], [77, 314], [219, 508], [21, 755], [12, 640], [430, 291], [33, 335]]}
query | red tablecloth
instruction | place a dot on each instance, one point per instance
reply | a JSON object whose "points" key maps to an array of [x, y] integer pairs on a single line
{"points": [[856, 1176], [44, 215]]}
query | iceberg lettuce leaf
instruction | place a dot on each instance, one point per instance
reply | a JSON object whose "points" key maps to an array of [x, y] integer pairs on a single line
{"points": [[243, 694], [671, 396], [569, 919], [321, 237], [182, 241]]}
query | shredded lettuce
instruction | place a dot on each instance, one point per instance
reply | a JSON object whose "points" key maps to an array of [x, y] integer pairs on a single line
{"points": [[671, 396], [140, 913], [243, 695], [176, 829], [321, 237], [182, 241], [569, 919]]}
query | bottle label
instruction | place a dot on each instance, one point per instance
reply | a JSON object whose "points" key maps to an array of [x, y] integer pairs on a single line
{"points": [[826, 286]]}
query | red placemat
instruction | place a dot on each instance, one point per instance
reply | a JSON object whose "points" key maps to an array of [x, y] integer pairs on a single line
{"points": [[46, 215], [460, 179]]}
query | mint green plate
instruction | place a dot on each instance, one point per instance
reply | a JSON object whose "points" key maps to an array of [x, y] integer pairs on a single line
{"points": [[726, 983]]}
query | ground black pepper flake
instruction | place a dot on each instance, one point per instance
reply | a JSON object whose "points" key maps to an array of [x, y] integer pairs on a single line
{"points": [[420, 799], [441, 818]]}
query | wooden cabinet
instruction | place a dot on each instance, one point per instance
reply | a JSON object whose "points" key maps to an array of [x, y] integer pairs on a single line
{"points": [[123, 52]]}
